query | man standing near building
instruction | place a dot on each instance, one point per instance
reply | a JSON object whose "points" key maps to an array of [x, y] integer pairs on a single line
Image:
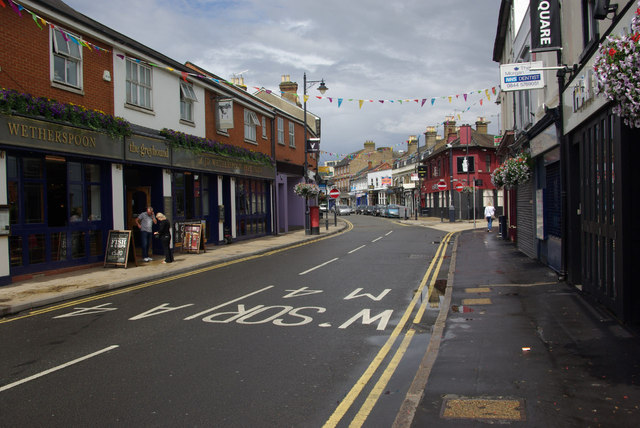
{"points": [[145, 222]]}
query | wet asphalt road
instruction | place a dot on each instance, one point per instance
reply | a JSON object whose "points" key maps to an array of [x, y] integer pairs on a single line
{"points": [[276, 341]]}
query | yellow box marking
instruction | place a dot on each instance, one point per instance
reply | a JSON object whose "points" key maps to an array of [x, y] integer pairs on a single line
{"points": [[478, 290], [471, 302], [493, 409]]}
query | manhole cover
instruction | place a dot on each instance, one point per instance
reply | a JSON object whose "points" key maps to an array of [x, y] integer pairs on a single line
{"points": [[494, 409]]}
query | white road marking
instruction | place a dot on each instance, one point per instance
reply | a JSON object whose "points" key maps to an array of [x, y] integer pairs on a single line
{"points": [[317, 267], [388, 233], [228, 303], [359, 248], [377, 239], [60, 367]]}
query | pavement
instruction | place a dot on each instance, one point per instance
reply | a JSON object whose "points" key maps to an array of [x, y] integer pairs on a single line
{"points": [[511, 344]]}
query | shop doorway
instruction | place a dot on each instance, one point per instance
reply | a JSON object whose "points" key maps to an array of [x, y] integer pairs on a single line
{"points": [[138, 199]]}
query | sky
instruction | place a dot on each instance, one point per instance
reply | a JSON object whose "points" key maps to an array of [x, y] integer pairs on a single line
{"points": [[365, 50]]}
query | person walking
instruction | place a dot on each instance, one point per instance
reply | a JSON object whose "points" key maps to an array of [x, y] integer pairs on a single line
{"points": [[164, 233], [145, 222], [489, 212]]}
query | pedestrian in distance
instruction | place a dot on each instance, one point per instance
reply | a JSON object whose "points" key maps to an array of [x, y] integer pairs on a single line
{"points": [[145, 222], [489, 212], [164, 233]]}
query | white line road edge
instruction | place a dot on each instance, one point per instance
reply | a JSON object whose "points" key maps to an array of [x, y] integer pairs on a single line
{"points": [[317, 267], [60, 367]]}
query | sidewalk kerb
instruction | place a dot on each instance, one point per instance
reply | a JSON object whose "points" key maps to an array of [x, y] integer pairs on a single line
{"points": [[414, 395]]}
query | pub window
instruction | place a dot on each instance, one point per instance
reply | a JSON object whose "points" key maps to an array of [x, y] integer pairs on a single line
{"points": [[487, 161], [264, 128], [138, 84], [292, 135], [187, 98], [280, 131], [67, 58], [250, 123], [187, 195]]}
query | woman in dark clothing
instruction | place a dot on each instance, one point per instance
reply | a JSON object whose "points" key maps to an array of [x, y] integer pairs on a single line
{"points": [[164, 233]]}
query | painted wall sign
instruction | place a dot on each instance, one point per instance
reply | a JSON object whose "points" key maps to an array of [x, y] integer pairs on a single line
{"points": [[40, 134], [147, 150], [212, 163]]}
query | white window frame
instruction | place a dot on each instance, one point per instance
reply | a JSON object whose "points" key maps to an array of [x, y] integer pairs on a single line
{"points": [[292, 134], [68, 51], [250, 123], [264, 127], [280, 131], [187, 98], [139, 93]]}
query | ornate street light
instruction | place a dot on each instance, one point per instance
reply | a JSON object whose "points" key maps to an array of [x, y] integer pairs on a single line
{"points": [[322, 88]]}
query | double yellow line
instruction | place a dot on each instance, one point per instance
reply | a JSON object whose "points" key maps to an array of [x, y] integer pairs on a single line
{"points": [[380, 385]]}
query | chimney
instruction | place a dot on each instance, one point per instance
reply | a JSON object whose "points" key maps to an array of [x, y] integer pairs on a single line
{"points": [[482, 125], [369, 146], [449, 127], [289, 90], [430, 137], [465, 134], [369, 164], [412, 144]]}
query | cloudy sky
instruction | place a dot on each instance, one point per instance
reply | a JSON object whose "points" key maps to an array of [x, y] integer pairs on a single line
{"points": [[376, 50]]}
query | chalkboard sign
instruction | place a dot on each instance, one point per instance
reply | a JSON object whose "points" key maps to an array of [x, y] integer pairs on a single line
{"points": [[119, 248], [192, 237], [179, 228]]}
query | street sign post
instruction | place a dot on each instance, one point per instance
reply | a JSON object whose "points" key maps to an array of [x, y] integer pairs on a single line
{"points": [[459, 187], [334, 193], [442, 185]]}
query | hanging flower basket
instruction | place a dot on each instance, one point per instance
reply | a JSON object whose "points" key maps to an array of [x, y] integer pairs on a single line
{"points": [[513, 172], [307, 190], [617, 68]]}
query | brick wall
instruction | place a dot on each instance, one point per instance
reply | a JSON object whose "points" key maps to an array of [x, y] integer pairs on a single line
{"points": [[25, 60]]}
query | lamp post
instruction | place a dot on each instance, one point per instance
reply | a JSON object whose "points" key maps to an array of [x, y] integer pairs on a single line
{"points": [[322, 89]]}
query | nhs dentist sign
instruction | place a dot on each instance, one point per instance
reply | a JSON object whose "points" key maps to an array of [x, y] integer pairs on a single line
{"points": [[518, 77]]}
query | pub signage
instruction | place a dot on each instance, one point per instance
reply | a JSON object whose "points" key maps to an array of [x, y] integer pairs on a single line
{"points": [[44, 135]]}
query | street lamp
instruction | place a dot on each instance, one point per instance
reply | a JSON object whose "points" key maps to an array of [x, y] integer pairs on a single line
{"points": [[322, 88]]}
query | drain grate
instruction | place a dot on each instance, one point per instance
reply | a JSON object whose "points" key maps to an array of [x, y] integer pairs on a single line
{"points": [[494, 409]]}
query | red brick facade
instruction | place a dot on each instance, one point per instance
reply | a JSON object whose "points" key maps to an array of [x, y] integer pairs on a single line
{"points": [[25, 59]]}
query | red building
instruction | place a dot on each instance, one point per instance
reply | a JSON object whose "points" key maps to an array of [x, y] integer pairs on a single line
{"points": [[460, 163]]}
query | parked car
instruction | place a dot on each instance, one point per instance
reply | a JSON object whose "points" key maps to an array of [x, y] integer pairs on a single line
{"points": [[361, 208], [368, 210], [343, 210], [396, 211]]}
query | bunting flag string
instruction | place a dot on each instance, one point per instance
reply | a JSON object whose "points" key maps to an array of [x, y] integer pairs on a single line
{"points": [[38, 20], [18, 8]]}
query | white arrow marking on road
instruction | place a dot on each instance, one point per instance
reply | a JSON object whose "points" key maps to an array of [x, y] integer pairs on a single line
{"points": [[60, 367], [317, 267]]}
